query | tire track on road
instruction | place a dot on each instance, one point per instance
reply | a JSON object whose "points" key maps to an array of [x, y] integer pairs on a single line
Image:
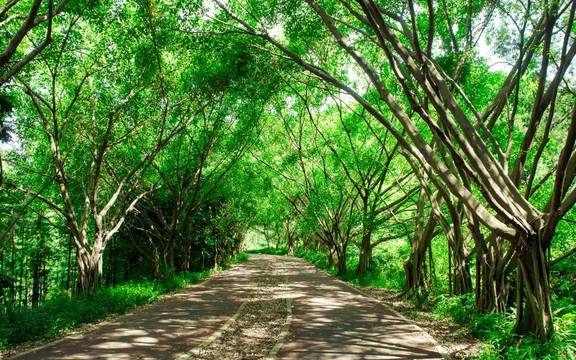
{"points": [[258, 328]]}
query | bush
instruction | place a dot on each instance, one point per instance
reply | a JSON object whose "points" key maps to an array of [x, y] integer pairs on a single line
{"points": [[242, 257], [460, 308], [316, 257], [270, 251], [497, 330], [385, 273]]}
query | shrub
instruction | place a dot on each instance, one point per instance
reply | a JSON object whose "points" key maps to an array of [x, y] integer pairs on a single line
{"points": [[270, 251], [460, 308], [501, 343], [242, 257]]}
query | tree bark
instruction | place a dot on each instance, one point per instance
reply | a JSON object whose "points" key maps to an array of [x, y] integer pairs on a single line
{"points": [[493, 286], [415, 266], [459, 243], [365, 256], [89, 272], [462, 279], [534, 312], [290, 237], [341, 256]]}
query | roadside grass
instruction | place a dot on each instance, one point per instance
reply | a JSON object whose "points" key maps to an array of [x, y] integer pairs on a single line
{"points": [[269, 251], [494, 330], [62, 313], [242, 257], [386, 271]]}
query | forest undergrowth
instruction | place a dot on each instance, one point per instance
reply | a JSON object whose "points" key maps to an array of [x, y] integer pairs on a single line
{"points": [[453, 321], [63, 313]]}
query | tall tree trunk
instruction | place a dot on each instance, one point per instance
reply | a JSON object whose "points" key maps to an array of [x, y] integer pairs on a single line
{"points": [[290, 237], [22, 266], [365, 252], [492, 284], [37, 265], [332, 257], [534, 312], [462, 278], [291, 244], [267, 238], [341, 262], [216, 254], [115, 264], [35, 282], [169, 252], [415, 266], [89, 271], [366, 246], [69, 269], [185, 266], [155, 265]]}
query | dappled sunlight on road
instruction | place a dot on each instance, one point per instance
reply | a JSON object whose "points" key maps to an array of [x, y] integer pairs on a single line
{"points": [[329, 321], [166, 329], [332, 321]]}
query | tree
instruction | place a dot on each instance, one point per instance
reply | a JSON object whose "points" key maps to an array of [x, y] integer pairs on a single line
{"points": [[100, 140], [367, 33], [198, 160], [192, 169], [19, 20]]}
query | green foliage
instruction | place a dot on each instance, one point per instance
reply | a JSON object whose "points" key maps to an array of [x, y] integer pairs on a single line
{"points": [[269, 250], [492, 327], [242, 257], [386, 268], [460, 308], [496, 330], [316, 257]]}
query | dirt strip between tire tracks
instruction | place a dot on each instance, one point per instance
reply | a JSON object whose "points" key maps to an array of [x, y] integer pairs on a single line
{"points": [[324, 319]]}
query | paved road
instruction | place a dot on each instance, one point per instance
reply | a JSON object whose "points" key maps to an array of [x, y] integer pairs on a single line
{"points": [[333, 321], [330, 321], [166, 329]]}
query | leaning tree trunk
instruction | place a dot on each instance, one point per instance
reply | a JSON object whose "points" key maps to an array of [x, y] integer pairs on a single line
{"points": [[534, 312]]}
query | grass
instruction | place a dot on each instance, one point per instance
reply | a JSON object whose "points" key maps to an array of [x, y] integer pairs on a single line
{"points": [[242, 257], [386, 271], [269, 250], [62, 313]]}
